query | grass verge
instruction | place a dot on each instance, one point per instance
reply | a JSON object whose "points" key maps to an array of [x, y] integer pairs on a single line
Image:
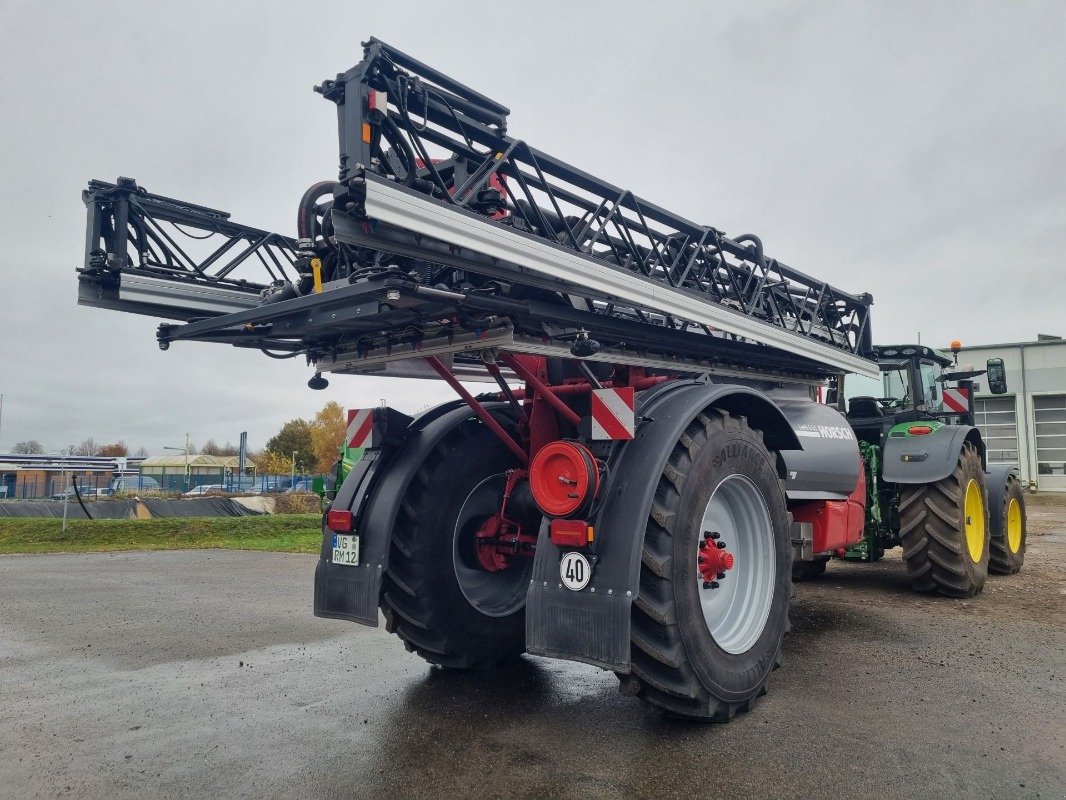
{"points": [[286, 533]]}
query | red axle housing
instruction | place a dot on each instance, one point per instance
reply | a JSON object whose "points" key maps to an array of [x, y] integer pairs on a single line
{"points": [[500, 539]]}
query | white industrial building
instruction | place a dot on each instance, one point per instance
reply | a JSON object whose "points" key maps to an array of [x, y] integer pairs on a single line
{"points": [[1026, 426]]}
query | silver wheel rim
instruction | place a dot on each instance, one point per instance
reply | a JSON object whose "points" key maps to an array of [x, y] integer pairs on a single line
{"points": [[736, 612], [494, 594]]}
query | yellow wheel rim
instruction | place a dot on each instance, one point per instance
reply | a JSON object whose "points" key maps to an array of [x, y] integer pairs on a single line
{"points": [[1014, 526], [975, 520]]}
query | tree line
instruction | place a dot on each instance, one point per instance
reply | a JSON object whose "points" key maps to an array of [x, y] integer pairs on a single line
{"points": [[89, 447]]}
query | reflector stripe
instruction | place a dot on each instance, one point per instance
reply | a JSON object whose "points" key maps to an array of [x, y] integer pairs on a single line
{"points": [[612, 413], [957, 400], [360, 427]]}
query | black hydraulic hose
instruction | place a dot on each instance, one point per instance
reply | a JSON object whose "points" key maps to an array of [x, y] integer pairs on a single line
{"points": [[279, 356], [77, 494], [395, 137], [305, 217], [425, 158]]}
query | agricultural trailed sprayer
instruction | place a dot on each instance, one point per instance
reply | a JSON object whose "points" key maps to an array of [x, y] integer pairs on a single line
{"points": [[647, 457]]}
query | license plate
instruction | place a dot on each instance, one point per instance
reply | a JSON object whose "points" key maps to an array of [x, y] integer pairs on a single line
{"points": [[345, 549]]}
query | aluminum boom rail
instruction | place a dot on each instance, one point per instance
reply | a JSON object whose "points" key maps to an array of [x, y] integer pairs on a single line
{"points": [[569, 271]]}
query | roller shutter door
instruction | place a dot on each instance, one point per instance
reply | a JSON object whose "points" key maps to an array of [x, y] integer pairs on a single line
{"points": [[997, 420], [1049, 416]]}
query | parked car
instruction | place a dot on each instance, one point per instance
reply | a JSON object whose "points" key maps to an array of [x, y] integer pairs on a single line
{"points": [[207, 488], [134, 483], [301, 486], [87, 493], [245, 486]]}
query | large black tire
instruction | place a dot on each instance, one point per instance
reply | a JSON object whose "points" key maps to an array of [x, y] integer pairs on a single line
{"points": [[809, 570], [933, 530], [1007, 552], [422, 600], [676, 662]]}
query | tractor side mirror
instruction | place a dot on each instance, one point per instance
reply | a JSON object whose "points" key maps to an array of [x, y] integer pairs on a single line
{"points": [[997, 376]]}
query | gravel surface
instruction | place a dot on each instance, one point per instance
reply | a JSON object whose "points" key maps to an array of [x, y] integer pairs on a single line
{"points": [[203, 673]]}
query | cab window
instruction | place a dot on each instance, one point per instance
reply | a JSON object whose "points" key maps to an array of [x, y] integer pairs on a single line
{"points": [[896, 384], [931, 390], [892, 383], [861, 386]]}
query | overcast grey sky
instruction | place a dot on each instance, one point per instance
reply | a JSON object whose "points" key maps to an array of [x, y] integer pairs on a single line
{"points": [[885, 147]]}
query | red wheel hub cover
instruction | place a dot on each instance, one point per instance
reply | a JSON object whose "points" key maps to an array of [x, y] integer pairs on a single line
{"points": [[714, 560]]}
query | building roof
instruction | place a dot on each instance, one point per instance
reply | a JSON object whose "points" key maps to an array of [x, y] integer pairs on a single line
{"points": [[194, 461], [1051, 342], [35, 461], [10, 469]]}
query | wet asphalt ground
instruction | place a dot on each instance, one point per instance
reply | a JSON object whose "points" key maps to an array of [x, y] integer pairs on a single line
{"points": [[203, 674]]}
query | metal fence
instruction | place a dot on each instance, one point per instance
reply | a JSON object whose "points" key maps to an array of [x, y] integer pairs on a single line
{"points": [[94, 487], [53, 488]]}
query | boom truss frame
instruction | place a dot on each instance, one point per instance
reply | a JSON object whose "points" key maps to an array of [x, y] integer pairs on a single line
{"points": [[393, 110], [442, 229]]}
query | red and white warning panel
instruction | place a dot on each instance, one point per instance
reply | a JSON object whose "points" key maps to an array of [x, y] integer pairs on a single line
{"points": [[612, 413], [957, 400], [361, 431]]}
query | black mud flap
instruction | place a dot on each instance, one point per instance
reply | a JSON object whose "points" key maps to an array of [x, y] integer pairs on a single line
{"points": [[373, 491], [351, 592], [592, 625]]}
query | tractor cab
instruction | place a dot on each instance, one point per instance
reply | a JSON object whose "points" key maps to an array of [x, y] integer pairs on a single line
{"points": [[917, 384]]}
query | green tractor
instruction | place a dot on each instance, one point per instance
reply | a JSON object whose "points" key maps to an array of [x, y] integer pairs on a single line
{"points": [[929, 488]]}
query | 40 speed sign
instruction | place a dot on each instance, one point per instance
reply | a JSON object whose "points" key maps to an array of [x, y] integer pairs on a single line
{"points": [[575, 571]]}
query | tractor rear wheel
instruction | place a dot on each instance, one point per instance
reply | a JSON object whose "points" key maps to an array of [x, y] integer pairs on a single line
{"points": [[436, 595], [715, 576], [944, 530], [1007, 552]]}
